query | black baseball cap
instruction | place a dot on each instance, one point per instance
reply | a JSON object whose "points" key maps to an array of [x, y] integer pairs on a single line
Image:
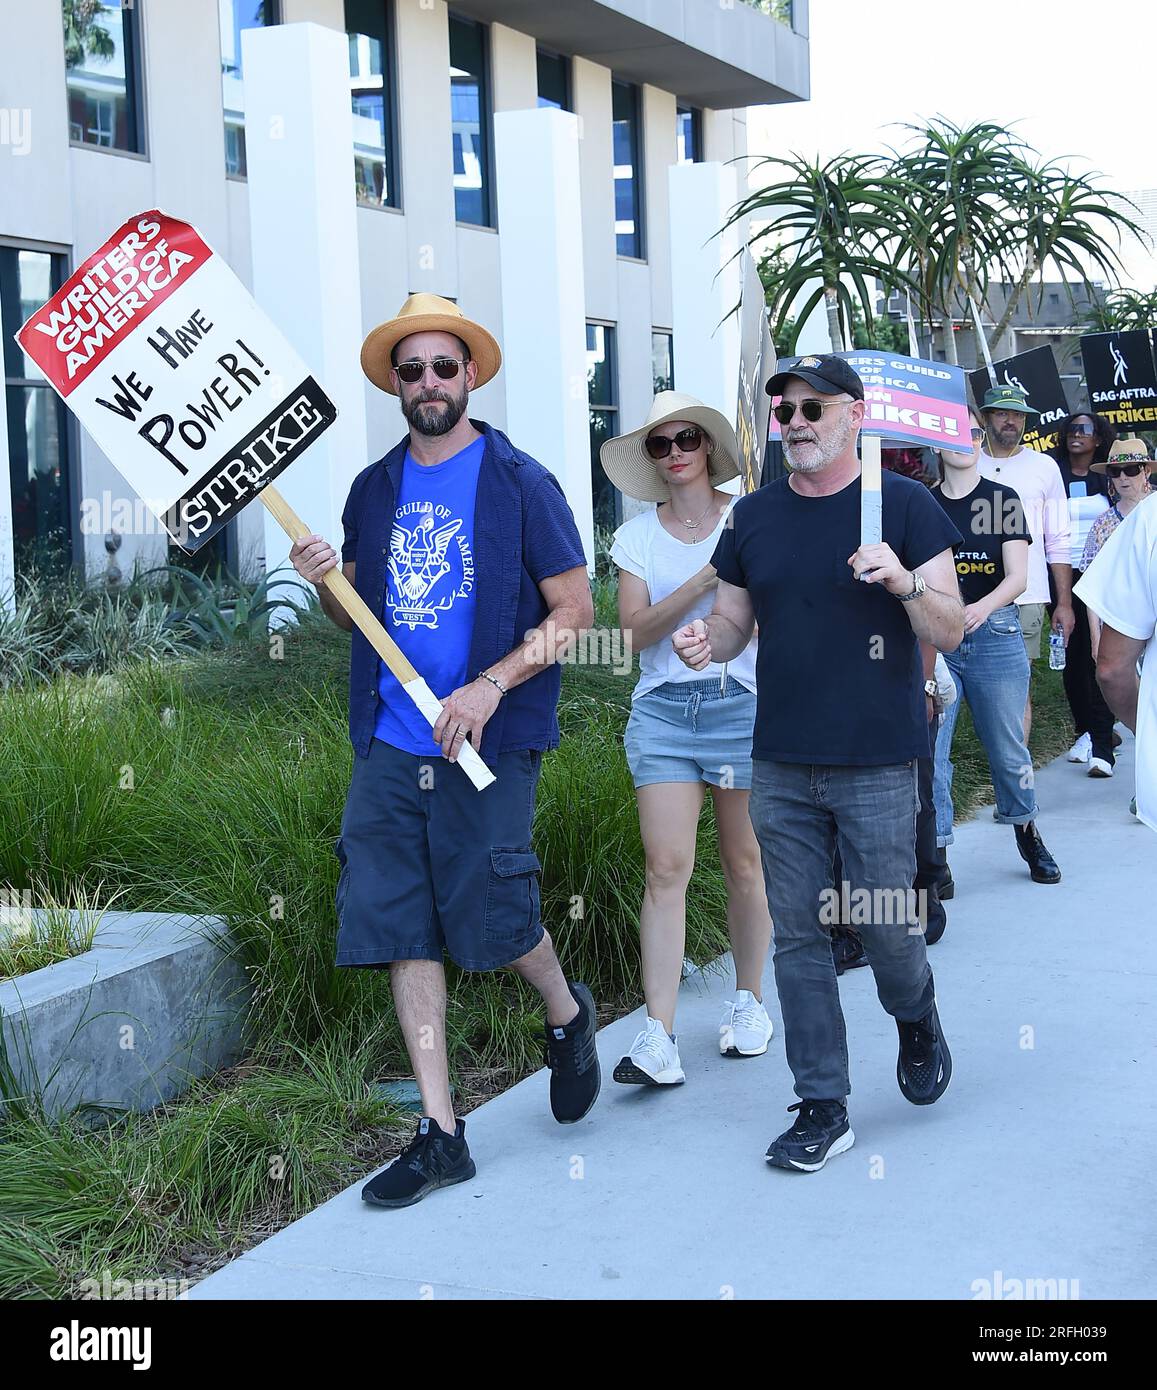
{"points": [[827, 373]]}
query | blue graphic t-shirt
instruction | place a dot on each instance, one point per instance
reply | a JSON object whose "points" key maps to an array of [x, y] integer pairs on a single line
{"points": [[429, 600]]}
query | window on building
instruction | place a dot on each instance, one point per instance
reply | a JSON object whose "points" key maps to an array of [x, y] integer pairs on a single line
{"points": [[688, 135], [603, 399], [369, 32], [234, 16], [38, 432], [628, 170], [553, 80], [470, 121], [103, 74], [662, 360]]}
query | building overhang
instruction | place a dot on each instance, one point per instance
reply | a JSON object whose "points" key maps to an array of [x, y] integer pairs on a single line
{"points": [[709, 54]]}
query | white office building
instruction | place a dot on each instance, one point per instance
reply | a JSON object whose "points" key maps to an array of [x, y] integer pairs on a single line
{"points": [[557, 167]]}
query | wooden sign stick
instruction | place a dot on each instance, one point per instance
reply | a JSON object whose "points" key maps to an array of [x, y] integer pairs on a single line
{"points": [[871, 506], [377, 636]]}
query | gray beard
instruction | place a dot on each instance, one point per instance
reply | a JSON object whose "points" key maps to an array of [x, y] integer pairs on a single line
{"points": [[832, 449]]}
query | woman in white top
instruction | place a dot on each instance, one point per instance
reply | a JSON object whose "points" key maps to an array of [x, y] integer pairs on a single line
{"points": [[687, 728]]}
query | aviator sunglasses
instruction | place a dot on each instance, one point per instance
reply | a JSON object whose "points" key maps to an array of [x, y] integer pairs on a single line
{"points": [[659, 446], [445, 367], [809, 409]]}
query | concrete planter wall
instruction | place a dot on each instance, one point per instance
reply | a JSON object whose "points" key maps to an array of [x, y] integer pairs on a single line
{"points": [[156, 1002]]}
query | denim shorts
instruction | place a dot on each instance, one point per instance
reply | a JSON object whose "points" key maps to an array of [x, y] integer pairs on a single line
{"points": [[687, 732], [430, 865]]}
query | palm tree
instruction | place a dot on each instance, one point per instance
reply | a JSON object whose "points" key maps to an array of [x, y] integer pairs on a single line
{"points": [[84, 34], [842, 218], [962, 185], [1121, 310], [1061, 216]]}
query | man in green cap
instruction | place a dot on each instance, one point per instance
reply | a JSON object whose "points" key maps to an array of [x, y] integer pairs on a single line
{"points": [[1036, 480]]}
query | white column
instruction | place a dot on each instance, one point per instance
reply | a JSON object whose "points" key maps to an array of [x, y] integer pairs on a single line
{"points": [[303, 228], [7, 573], [543, 304], [705, 283]]}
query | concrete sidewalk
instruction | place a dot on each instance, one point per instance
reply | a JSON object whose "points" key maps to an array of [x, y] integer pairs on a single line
{"points": [[1034, 1166]]}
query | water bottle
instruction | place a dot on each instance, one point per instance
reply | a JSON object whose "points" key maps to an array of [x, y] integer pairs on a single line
{"points": [[1056, 650]]}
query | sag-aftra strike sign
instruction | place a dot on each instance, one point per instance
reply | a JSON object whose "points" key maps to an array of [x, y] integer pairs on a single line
{"points": [[169, 364]]}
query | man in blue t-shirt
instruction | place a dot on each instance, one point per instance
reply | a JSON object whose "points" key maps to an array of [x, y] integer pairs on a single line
{"points": [[840, 723], [467, 550]]}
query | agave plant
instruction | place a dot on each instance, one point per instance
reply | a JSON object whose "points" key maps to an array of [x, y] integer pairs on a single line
{"points": [[230, 611]]}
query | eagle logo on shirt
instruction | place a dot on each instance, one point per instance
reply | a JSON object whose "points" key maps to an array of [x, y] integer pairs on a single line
{"points": [[418, 565]]}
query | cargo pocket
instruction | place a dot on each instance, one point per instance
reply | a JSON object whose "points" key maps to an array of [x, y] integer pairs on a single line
{"points": [[512, 898], [342, 878]]}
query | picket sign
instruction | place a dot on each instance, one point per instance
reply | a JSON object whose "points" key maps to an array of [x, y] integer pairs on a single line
{"points": [[195, 396], [871, 496]]}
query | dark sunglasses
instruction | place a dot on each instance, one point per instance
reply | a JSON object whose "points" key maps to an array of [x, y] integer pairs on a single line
{"points": [[810, 410], [659, 446], [1080, 429], [977, 434], [445, 367], [1128, 470]]}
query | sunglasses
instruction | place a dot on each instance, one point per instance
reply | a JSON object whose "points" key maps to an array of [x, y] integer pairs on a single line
{"points": [[659, 446], [976, 434], [810, 410], [445, 367], [1080, 429], [1128, 470]]}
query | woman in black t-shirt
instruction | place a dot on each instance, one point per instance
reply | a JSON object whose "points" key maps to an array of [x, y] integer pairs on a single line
{"points": [[990, 667]]}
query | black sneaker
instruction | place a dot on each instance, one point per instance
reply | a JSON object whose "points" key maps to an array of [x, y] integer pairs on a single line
{"points": [[431, 1159], [574, 1061], [1042, 866], [847, 949], [935, 915], [924, 1067], [821, 1130]]}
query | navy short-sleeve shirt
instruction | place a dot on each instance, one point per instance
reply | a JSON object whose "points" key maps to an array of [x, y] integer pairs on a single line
{"points": [[839, 679]]}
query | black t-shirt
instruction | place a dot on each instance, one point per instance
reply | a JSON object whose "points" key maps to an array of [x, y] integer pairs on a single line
{"points": [[990, 515], [838, 675]]}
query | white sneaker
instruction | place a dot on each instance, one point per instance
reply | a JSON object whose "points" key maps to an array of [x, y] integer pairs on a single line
{"points": [[652, 1061], [745, 1029], [1098, 767], [1082, 750]]}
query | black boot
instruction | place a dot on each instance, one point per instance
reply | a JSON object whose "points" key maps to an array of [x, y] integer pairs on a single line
{"points": [[1041, 865]]}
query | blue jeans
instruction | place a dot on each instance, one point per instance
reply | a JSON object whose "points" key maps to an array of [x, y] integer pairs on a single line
{"points": [[801, 813], [991, 671]]}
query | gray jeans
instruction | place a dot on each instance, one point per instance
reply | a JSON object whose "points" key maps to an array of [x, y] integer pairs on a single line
{"points": [[801, 813]]}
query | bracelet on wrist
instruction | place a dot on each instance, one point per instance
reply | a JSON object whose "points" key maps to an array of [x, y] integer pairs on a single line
{"points": [[494, 681]]}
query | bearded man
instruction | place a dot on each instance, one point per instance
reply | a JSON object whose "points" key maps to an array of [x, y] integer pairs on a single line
{"points": [[466, 549], [840, 724]]}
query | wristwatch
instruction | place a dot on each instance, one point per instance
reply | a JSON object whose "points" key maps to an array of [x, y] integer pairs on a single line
{"points": [[916, 592], [931, 689]]}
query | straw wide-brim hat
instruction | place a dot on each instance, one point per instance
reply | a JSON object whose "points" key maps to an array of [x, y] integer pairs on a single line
{"points": [[633, 471], [1126, 451], [428, 313]]}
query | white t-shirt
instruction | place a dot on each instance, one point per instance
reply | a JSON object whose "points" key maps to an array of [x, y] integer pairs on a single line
{"points": [[1036, 480], [643, 547], [1120, 586]]}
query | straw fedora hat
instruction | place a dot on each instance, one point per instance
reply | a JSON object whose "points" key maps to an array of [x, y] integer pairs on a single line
{"points": [[428, 313], [632, 470], [1126, 451]]}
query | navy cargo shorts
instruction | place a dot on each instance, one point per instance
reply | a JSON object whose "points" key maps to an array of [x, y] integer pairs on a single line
{"points": [[430, 865]]}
